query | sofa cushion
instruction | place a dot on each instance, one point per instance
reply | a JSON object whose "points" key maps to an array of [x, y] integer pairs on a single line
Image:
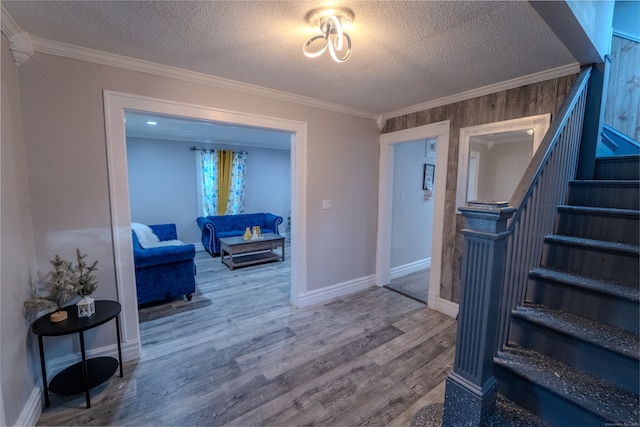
{"points": [[146, 236]]}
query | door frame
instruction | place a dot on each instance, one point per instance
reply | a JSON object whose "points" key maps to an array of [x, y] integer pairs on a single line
{"points": [[115, 105], [388, 141]]}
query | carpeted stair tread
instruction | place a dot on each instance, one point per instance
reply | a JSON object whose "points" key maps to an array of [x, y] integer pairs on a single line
{"points": [[624, 248], [605, 182], [507, 414], [634, 213], [619, 289], [595, 394], [597, 333]]}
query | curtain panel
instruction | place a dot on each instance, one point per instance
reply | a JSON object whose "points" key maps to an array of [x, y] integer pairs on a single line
{"points": [[209, 162], [223, 182]]}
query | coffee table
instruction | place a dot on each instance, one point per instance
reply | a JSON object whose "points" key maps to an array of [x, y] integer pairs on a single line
{"points": [[240, 252]]}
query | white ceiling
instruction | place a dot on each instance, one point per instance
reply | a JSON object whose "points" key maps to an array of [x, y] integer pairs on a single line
{"points": [[405, 53], [199, 133]]}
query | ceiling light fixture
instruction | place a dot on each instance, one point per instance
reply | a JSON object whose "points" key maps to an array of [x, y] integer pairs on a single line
{"points": [[331, 23]]}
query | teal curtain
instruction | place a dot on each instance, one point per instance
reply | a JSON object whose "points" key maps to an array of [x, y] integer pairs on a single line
{"points": [[209, 159], [235, 203]]}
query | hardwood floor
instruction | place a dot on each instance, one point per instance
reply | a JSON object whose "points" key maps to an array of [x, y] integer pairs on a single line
{"points": [[239, 354]]}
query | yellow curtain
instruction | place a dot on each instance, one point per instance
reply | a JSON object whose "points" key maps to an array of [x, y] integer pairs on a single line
{"points": [[225, 160]]}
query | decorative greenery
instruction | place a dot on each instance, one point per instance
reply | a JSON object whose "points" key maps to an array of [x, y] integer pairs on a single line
{"points": [[66, 281], [87, 280]]}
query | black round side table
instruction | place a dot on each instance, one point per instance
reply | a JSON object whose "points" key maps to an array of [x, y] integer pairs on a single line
{"points": [[87, 374]]}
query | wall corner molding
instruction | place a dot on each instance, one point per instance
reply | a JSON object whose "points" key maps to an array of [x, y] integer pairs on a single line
{"points": [[21, 48]]}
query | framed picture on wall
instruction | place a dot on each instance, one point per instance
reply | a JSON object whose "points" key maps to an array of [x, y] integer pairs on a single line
{"points": [[428, 176], [432, 146]]}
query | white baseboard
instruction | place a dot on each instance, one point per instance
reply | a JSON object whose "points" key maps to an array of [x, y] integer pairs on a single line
{"points": [[409, 268], [447, 307], [32, 408], [199, 246], [341, 289], [130, 351]]}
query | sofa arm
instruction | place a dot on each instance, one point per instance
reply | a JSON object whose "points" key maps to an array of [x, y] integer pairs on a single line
{"points": [[165, 231], [163, 255], [208, 234], [272, 221]]}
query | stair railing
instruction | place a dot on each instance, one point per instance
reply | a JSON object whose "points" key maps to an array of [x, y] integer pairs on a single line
{"points": [[502, 243], [541, 190]]}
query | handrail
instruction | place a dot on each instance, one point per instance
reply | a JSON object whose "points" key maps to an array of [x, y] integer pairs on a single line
{"points": [[531, 174], [541, 190]]}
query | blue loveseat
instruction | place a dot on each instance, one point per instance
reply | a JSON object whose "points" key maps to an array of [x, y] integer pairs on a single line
{"points": [[215, 227], [165, 272]]}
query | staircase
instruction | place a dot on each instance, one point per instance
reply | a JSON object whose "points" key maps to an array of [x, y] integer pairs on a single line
{"points": [[573, 352]]}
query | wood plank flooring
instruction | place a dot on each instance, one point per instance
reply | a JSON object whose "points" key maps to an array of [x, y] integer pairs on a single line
{"points": [[238, 354]]}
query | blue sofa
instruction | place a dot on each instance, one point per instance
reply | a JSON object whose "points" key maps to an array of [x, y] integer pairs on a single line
{"points": [[165, 272], [215, 227]]}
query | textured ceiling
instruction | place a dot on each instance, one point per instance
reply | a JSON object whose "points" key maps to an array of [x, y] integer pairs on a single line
{"points": [[404, 52]]}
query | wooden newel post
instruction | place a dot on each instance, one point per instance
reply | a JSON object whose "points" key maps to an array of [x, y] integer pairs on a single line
{"points": [[471, 390]]}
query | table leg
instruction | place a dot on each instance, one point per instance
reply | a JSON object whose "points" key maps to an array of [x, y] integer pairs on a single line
{"points": [[45, 387], [85, 371], [119, 345], [282, 251]]}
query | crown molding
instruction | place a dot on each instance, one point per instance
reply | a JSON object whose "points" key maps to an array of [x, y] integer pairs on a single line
{"points": [[9, 26], [488, 90], [104, 58], [627, 36]]}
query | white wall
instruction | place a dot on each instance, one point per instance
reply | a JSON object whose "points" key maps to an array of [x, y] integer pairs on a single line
{"points": [[268, 182], [19, 372], [412, 218], [64, 133], [162, 183], [626, 18], [592, 15]]}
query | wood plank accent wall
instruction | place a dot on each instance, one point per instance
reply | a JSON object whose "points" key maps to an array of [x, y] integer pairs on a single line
{"points": [[623, 91], [539, 98]]}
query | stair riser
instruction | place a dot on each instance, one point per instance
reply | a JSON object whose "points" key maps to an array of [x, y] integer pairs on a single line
{"points": [[607, 265], [595, 360], [612, 228], [542, 402], [604, 196], [613, 310], [617, 168]]}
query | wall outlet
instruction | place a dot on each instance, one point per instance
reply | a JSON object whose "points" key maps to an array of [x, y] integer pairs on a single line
{"points": [[403, 196], [326, 204]]}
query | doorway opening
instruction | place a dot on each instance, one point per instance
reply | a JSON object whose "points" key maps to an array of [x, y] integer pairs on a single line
{"points": [[115, 106], [412, 218], [440, 132]]}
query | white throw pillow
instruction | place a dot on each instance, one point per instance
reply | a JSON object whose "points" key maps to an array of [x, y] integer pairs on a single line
{"points": [[145, 235]]}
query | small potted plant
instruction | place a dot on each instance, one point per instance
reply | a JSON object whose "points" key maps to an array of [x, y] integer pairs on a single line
{"points": [[62, 288], [65, 282]]}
